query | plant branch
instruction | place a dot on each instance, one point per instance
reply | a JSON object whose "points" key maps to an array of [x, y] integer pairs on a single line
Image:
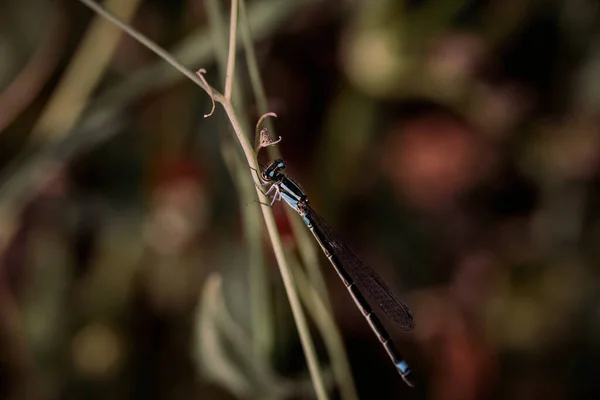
{"points": [[306, 245], [229, 77], [259, 290], [288, 281], [255, 79], [218, 97]]}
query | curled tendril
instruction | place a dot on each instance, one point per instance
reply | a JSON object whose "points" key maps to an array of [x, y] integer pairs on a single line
{"points": [[262, 137], [200, 73]]}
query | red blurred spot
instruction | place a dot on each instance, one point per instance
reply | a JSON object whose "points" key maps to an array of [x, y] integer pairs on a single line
{"points": [[283, 223], [431, 160], [173, 171]]}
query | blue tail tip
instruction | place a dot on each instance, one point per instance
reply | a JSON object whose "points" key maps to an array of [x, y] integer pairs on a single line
{"points": [[404, 371]]}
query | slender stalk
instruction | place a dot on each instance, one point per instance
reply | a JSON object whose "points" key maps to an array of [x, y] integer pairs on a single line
{"points": [[229, 78], [195, 50], [318, 309], [260, 305], [306, 245], [255, 79], [259, 290], [298, 313], [218, 97], [288, 280], [217, 29]]}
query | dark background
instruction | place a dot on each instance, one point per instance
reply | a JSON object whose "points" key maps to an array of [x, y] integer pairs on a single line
{"points": [[454, 144]]}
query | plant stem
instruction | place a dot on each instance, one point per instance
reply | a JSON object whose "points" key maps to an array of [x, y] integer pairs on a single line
{"points": [[288, 280], [229, 77], [260, 305], [298, 313], [218, 97], [306, 245]]}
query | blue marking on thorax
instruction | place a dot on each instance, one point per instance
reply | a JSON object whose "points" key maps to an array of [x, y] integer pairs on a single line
{"points": [[272, 175], [291, 192], [294, 196], [292, 201]]}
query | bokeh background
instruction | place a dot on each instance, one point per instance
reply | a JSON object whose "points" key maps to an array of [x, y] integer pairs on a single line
{"points": [[454, 144]]}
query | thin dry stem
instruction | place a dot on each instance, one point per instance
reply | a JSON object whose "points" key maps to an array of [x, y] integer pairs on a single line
{"points": [[229, 77], [216, 95], [263, 332], [306, 245], [298, 313], [288, 280]]}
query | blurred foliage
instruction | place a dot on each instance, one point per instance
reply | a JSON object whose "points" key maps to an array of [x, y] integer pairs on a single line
{"points": [[453, 143]]}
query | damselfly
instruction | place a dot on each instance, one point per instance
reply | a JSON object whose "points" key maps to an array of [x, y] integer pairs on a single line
{"points": [[358, 278]]}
